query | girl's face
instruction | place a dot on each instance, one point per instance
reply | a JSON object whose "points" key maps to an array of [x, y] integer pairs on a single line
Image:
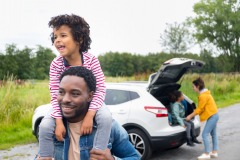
{"points": [[181, 98], [64, 42], [195, 88]]}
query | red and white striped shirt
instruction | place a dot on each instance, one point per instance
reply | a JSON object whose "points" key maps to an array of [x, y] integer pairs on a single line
{"points": [[90, 62]]}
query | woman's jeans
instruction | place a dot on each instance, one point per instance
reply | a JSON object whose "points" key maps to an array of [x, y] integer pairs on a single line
{"points": [[103, 119], [210, 128]]}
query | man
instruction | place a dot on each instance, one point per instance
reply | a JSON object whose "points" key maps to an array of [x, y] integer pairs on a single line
{"points": [[76, 89]]}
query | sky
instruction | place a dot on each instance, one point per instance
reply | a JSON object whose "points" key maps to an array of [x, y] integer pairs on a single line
{"points": [[132, 26]]}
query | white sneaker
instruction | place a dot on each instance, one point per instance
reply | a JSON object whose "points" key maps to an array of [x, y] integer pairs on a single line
{"points": [[213, 155], [204, 157]]}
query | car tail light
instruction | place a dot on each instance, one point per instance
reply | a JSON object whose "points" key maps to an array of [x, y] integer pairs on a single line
{"points": [[158, 111]]}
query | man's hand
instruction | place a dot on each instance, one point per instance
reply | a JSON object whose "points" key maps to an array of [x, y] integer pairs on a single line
{"points": [[87, 124], [96, 154], [60, 130]]}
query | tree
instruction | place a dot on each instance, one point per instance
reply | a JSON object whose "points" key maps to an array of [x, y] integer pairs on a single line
{"points": [[218, 21], [176, 38], [9, 64], [43, 59], [25, 63]]}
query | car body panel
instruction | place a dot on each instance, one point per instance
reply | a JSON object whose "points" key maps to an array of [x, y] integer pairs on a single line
{"points": [[172, 70]]}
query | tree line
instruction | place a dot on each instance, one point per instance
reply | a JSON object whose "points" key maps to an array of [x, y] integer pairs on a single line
{"points": [[30, 63], [127, 64], [25, 63]]}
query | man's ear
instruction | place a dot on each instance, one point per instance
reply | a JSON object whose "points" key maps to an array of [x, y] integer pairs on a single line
{"points": [[90, 96]]}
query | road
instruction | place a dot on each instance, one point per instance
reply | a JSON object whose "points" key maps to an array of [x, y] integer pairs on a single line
{"points": [[228, 133]]}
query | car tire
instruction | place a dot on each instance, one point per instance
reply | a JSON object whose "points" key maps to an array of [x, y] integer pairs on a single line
{"points": [[140, 142]]}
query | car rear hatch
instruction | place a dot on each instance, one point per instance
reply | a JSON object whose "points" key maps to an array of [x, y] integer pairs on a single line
{"points": [[170, 72]]}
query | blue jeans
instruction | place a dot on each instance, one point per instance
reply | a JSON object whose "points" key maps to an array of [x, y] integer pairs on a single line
{"points": [[210, 128], [103, 119]]}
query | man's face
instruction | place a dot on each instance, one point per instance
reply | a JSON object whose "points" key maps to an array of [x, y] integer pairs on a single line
{"points": [[73, 98]]}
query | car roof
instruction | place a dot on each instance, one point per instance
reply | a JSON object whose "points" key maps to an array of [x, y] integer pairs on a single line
{"points": [[127, 85]]}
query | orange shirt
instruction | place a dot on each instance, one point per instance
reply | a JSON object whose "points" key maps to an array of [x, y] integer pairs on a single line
{"points": [[206, 106]]}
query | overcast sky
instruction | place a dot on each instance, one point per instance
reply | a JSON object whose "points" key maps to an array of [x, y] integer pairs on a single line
{"points": [[116, 25]]}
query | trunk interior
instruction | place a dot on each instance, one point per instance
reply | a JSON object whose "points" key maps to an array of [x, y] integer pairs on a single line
{"points": [[161, 93]]}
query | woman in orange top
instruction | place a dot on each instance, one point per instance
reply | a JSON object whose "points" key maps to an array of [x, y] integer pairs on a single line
{"points": [[207, 111]]}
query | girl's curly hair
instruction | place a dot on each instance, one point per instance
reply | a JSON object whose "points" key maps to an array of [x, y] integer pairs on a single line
{"points": [[79, 28]]}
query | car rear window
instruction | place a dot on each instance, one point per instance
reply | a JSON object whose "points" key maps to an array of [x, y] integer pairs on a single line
{"points": [[114, 96]]}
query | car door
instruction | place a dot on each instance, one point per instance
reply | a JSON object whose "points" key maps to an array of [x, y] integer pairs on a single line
{"points": [[119, 103]]}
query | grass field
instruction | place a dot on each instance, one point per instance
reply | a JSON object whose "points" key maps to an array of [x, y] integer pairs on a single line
{"points": [[17, 102]]}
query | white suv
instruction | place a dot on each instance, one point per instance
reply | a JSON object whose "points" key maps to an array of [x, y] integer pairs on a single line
{"points": [[142, 108]]}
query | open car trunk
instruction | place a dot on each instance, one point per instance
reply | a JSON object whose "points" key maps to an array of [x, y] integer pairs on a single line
{"points": [[164, 82]]}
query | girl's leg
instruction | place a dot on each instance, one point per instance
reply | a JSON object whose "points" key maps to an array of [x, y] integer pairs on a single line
{"points": [[188, 129], [46, 133], [193, 134], [209, 126], [214, 134], [104, 124]]}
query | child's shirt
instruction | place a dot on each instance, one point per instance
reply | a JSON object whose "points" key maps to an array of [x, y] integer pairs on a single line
{"points": [[178, 113], [59, 65]]}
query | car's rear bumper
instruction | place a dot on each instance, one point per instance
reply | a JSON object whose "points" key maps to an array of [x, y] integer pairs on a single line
{"points": [[171, 141]]}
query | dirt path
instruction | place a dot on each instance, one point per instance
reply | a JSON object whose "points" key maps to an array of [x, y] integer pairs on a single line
{"points": [[21, 152]]}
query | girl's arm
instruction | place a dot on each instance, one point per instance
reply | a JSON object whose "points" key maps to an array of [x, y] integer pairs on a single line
{"points": [[54, 74], [176, 114], [99, 95]]}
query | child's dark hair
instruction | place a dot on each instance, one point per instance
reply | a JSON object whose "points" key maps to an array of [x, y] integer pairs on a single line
{"points": [[84, 73], [79, 28], [199, 83], [173, 97]]}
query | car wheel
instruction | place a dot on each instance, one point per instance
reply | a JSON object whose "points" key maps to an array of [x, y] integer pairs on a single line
{"points": [[140, 142]]}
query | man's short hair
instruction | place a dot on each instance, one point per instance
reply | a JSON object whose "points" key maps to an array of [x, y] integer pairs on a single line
{"points": [[84, 73]]}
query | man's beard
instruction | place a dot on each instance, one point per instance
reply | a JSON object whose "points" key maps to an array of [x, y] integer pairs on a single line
{"points": [[79, 112]]}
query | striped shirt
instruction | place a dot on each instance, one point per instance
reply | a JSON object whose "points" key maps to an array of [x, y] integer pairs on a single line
{"points": [[59, 65]]}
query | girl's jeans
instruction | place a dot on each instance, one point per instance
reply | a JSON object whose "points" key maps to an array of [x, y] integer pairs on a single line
{"points": [[103, 119], [210, 128], [190, 130]]}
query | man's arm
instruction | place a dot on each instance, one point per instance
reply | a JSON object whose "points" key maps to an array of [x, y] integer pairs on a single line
{"points": [[122, 148]]}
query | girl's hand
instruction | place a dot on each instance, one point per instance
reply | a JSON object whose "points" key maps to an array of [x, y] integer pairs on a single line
{"points": [[87, 125], [60, 130]]}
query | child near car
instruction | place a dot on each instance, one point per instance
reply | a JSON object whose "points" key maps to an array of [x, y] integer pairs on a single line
{"points": [[71, 38], [178, 116]]}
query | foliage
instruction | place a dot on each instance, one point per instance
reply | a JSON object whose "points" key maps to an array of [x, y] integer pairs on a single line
{"points": [[116, 64], [25, 63], [217, 21], [176, 38], [17, 106]]}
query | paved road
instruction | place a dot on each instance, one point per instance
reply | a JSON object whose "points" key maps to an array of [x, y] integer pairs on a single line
{"points": [[229, 142], [228, 134]]}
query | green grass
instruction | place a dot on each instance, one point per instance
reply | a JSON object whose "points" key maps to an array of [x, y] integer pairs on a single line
{"points": [[16, 107], [17, 103]]}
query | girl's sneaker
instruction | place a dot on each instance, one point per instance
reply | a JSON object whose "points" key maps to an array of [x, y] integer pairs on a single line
{"points": [[204, 157], [213, 155]]}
